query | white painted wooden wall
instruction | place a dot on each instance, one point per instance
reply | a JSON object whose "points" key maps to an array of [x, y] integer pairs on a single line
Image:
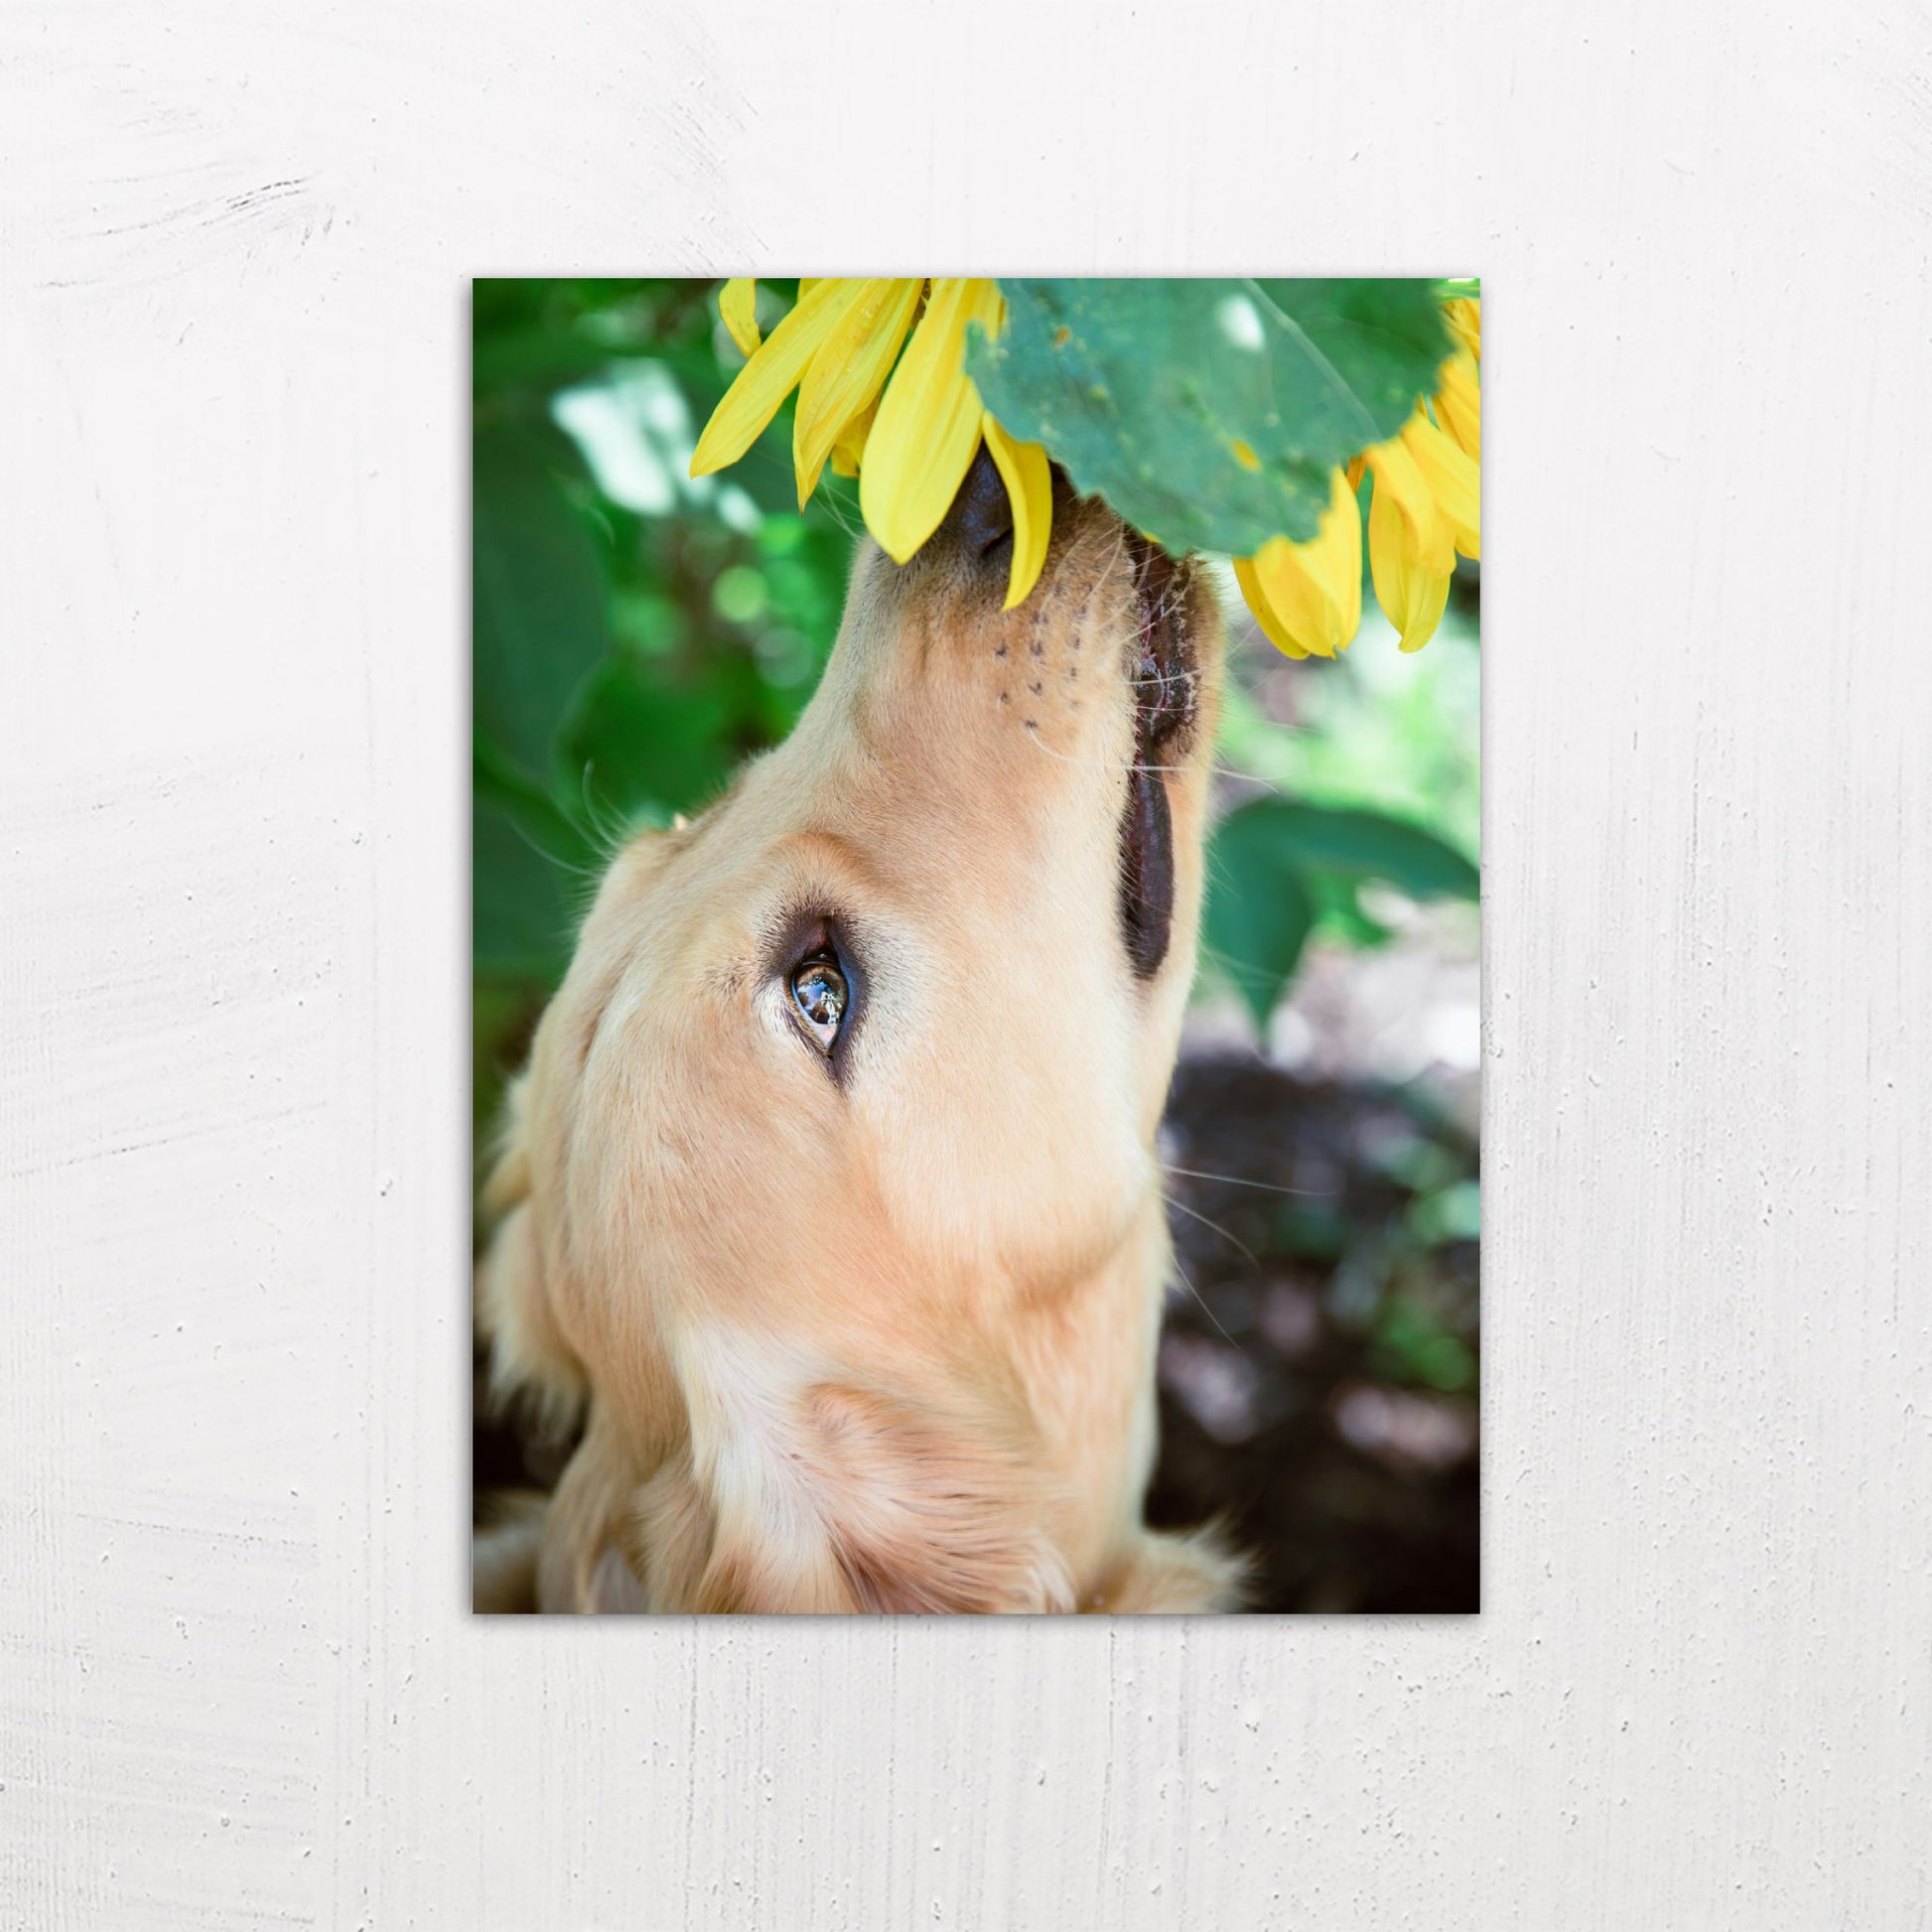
{"points": [[238, 1686]]}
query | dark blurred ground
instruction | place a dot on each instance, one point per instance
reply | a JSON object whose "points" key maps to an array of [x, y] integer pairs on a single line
{"points": [[1317, 1381]]}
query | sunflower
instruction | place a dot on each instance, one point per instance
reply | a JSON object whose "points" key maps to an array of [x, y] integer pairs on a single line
{"points": [[879, 365], [1424, 509], [906, 425]]}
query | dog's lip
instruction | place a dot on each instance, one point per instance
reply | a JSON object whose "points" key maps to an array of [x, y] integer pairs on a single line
{"points": [[1166, 698], [1165, 678]]}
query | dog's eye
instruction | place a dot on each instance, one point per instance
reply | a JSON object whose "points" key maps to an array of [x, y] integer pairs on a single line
{"points": [[819, 992]]}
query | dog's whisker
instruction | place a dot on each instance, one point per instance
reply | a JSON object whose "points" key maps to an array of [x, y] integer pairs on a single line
{"points": [[841, 514], [1235, 1180], [590, 876], [1104, 764], [1247, 778], [1234, 969], [1134, 764], [609, 838], [1194, 1214], [1204, 1308]]}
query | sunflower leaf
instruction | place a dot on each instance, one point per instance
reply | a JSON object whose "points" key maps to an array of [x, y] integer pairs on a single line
{"points": [[1210, 413], [1277, 867]]}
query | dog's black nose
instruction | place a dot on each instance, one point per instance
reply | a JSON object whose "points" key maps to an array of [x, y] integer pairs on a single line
{"points": [[981, 517]]}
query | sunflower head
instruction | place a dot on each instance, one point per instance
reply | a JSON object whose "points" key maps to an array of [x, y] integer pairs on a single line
{"points": [[879, 366]]}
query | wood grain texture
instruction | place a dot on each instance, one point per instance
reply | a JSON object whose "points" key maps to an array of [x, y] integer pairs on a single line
{"points": [[238, 1684]]}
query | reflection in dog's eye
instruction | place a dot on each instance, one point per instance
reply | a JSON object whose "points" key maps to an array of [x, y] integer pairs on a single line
{"points": [[818, 990]]}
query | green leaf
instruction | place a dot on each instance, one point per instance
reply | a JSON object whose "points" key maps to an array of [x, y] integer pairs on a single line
{"points": [[544, 824], [1259, 914], [1357, 843], [538, 586], [521, 919], [1142, 389], [1275, 867], [632, 741]]}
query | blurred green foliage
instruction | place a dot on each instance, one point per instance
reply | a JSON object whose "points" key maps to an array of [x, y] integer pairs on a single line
{"points": [[638, 633]]}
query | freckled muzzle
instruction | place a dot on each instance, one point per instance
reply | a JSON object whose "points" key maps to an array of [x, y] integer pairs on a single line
{"points": [[1160, 663]]}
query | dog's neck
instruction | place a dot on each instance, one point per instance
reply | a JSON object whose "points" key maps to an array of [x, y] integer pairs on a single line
{"points": [[626, 1534]]}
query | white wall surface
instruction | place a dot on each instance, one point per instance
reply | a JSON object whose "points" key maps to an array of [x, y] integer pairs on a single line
{"points": [[238, 1686]]}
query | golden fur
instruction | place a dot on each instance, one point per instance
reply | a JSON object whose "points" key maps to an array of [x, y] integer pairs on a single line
{"points": [[884, 1341]]}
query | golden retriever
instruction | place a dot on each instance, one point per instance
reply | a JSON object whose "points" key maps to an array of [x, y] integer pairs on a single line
{"points": [[829, 1199]]}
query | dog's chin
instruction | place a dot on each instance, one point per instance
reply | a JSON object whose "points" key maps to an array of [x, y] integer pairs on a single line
{"points": [[1166, 693]]}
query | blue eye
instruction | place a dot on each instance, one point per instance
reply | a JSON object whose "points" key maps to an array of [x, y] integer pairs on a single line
{"points": [[819, 992]]}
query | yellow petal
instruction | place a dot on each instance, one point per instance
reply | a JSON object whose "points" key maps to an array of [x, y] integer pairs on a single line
{"points": [[1272, 627], [770, 375], [1028, 480], [846, 372], [738, 309], [929, 423], [1453, 478], [1459, 403], [1313, 590], [1335, 555], [1412, 599], [851, 446], [1465, 318], [1428, 536]]}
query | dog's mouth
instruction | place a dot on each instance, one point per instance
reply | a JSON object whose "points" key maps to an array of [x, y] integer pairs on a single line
{"points": [[1167, 688]]}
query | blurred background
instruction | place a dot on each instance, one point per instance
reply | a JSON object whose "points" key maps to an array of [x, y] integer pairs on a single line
{"points": [[637, 634]]}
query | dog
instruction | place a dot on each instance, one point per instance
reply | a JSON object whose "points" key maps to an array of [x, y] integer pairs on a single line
{"points": [[828, 1205]]}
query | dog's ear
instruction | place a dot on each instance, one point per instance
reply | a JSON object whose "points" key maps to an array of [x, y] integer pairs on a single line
{"points": [[847, 1499], [583, 1567], [530, 1360]]}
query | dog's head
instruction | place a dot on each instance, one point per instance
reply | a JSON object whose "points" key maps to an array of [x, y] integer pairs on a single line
{"points": [[849, 1100]]}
